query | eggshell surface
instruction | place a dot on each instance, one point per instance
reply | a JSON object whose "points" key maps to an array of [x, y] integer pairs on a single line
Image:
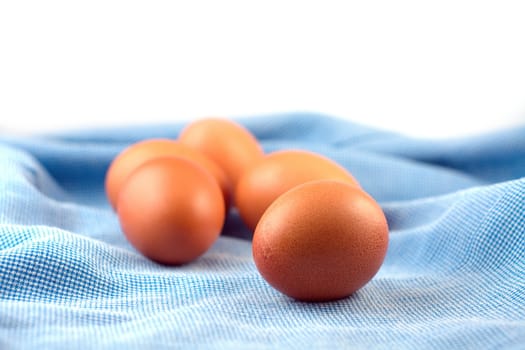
{"points": [[227, 143], [171, 210], [277, 173], [138, 153], [320, 241]]}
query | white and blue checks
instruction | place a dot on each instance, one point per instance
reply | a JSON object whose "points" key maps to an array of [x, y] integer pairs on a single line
{"points": [[453, 278]]}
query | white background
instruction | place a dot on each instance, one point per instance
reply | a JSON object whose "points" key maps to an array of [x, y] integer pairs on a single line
{"points": [[430, 69]]}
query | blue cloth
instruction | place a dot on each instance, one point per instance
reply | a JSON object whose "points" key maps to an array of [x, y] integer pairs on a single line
{"points": [[453, 277]]}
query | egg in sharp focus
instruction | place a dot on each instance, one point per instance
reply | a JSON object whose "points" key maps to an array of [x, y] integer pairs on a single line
{"points": [[320, 241], [279, 172], [171, 210]]}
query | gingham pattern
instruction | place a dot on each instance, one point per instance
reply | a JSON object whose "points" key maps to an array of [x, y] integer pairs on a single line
{"points": [[453, 278]]}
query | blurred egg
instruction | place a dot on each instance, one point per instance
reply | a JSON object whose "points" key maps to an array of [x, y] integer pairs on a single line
{"points": [[171, 210], [320, 241], [278, 172], [136, 154], [227, 143]]}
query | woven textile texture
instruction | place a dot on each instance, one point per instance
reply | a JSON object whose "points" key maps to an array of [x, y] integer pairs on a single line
{"points": [[453, 277]]}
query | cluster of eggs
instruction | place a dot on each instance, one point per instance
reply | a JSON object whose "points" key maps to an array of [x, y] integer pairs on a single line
{"points": [[317, 235]]}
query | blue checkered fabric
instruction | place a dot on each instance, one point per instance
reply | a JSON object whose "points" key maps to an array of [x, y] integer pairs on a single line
{"points": [[453, 277]]}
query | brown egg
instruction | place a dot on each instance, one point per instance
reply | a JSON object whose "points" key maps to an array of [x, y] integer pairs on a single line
{"points": [[171, 210], [227, 143], [278, 172], [321, 241], [133, 156]]}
